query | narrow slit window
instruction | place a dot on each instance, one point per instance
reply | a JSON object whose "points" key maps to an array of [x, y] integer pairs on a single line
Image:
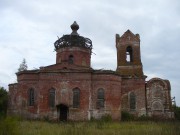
{"points": [[31, 97], [71, 59], [100, 98], [52, 97], [132, 101], [76, 98]]}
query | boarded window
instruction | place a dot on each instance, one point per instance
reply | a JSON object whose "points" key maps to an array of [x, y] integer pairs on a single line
{"points": [[132, 101], [100, 98], [52, 97], [31, 97], [76, 98], [129, 57], [71, 59]]}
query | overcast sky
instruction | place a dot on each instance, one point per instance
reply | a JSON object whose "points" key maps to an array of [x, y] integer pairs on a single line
{"points": [[29, 28]]}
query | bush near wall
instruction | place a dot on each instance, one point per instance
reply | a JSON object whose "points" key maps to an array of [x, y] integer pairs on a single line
{"points": [[3, 102], [125, 116], [177, 112]]}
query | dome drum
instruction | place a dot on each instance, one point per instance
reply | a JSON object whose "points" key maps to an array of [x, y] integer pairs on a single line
{"points": [[73, 40]]}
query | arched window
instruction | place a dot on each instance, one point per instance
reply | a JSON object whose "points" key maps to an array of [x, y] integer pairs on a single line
{"points": [[129, 57], [100, 98], [84, 61], [157, 106], [31, 96], [76, 98], [71, 59], [132, 101], [52, 97]]}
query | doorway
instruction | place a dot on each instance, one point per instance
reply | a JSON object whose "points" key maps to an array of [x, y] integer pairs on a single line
{"points": [[62, 112]]}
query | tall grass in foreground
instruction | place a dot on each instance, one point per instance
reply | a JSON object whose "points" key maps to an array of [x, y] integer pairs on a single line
{"points": [[99, 128], [12, 126], [9, 126]]}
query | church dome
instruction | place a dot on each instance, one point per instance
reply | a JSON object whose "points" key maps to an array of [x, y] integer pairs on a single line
{"points": [[73, 40]]}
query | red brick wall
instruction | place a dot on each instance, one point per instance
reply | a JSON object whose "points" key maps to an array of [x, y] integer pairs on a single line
{"points": [[136, 85], [64, 83], [112, 87], [82, 56]]}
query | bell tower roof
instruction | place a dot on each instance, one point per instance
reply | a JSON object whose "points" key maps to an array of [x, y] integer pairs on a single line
{"points": [[73, 39], [129, 36]]}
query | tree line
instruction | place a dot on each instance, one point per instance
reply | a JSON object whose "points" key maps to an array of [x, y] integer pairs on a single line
{"points": [[3, 101]]}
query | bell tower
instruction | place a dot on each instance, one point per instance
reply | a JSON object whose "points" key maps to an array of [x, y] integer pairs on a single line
{"points": [[128, 55]]}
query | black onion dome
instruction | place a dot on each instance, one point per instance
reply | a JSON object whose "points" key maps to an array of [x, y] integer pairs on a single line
{"points": [[73, 39]]}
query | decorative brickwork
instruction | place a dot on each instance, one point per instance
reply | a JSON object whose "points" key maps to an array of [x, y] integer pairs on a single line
{"points": [[159, 98]]}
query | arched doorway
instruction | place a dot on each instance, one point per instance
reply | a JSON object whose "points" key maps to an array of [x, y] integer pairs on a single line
{"points": [[62, 112]]}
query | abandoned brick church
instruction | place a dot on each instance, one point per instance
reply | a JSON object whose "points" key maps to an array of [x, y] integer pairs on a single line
{"points": [[72, 90]]}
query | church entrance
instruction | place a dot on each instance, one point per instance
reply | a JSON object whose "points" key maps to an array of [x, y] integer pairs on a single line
{"points": [[62, 112]]}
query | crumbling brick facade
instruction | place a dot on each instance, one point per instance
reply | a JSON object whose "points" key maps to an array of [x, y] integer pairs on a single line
{"points": [[159, 98], [72, 90]]}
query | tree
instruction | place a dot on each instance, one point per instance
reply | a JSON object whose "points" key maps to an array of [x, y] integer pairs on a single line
{"points": [[23, 66], [176, 112], [3, 101]]}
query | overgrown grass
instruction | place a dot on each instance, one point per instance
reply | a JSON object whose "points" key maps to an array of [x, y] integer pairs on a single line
{"points": [[99, 128], [11, 126]]}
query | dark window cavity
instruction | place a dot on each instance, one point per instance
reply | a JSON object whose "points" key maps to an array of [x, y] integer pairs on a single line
{"points": [[52, 97], [71, 59], [31, 97], [132, 101], [76, 98], [100, 98], [129, 57]]}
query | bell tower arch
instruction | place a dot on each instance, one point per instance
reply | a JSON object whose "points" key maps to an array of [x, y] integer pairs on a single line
{"points": [[128, 54]]}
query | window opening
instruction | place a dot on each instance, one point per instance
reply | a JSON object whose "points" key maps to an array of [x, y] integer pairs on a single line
{"points": [[132, 101], [100, 98], [71, 59], [52, 98], [76, 98], [31, 97], [129, 57]]}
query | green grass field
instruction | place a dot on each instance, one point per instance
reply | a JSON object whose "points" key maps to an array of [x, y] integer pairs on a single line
{"points": [[11, 127]]}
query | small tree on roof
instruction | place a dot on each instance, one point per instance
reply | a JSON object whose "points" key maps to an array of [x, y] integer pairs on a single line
{"points": [[23, 66]]}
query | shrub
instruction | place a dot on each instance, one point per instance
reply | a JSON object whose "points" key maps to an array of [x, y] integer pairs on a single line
{"points": [[106, 118], [125, 116], [177, 112], [3, 102], [92, 119], [46, 118], [144, 118]]}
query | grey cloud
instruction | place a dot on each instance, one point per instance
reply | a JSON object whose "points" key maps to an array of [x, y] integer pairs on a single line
{"points": [[29, 29]]}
